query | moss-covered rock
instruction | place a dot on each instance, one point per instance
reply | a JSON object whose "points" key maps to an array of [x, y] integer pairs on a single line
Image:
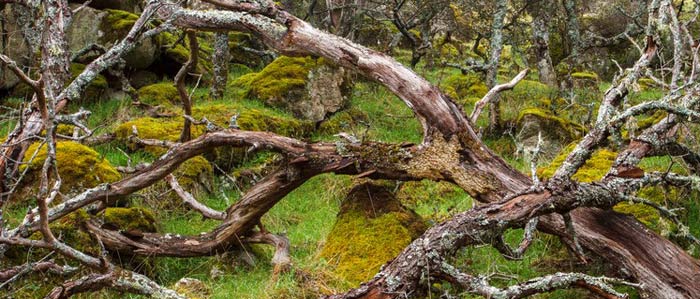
{"points": [[78, 165], [162, 94], [196, 175], [343, 121], [309, 88], [460, 87], [555, 131], [116, 25], [584, 80], [192, 288], [141, 219], [153, 128], [372, 227]]}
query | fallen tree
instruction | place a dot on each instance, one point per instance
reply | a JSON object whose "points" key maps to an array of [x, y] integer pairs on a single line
{"points": [[451, 151]]}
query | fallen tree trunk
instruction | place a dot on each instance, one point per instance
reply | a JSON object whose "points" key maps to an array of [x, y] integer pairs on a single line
{"points": [[667, 271]]}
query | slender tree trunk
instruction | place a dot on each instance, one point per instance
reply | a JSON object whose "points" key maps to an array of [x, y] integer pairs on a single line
{"points": [[495, 48], [572, 28], [220, 61], [539, 10]]}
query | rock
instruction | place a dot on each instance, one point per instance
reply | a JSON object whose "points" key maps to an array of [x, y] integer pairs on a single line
{"points": [[126, 5], [14, 47], [79, 166], [585, 80], [309, 88], [371, 228], [192, 288], [556, 132], [143, 78]]}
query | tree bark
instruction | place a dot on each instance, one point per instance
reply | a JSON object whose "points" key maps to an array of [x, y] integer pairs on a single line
{"points": [[220, 60], [495, 49], [540, 39]]}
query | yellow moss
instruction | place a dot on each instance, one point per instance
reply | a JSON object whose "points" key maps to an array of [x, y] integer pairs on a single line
{"points": [[369, 232], [281, 78], [585, 76], [163, 93], [192, 288], [154, 128], [137, 218], [78, 165], [120, 19], [460, 86], [593, 170], [644, 122], [572, 128], [646, 83], [195, 175]]}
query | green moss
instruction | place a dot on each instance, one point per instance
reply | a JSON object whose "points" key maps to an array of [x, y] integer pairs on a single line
{"points": [[284, 77], [646, 84], [647, 121], [556, 122], [459, 86], [96, 87], [585, 76], [120, 19], [137, 218], [154, 128], [196, 175], [78, 165], [159, 94], [343, 121], [364, 224], [99, 81]]}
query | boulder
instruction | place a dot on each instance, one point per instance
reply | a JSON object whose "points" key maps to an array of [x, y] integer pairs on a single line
{"points": [[309, 88], [371, 228], [105, 27], [556, 132], [79, 166], [13, 45], [126, 5]]}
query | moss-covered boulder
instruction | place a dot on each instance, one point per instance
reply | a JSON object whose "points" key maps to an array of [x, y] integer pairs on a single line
{"points": [[127, 5], [130, 219], [585, 80], [372, 227], [555, 131], [116, 25], [79, 166], [164, 95], [463, 86], [106, 27], [309, 88]]}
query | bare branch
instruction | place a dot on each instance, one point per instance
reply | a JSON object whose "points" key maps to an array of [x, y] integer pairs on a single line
{"points": [[192, 202], [493, 93]]}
